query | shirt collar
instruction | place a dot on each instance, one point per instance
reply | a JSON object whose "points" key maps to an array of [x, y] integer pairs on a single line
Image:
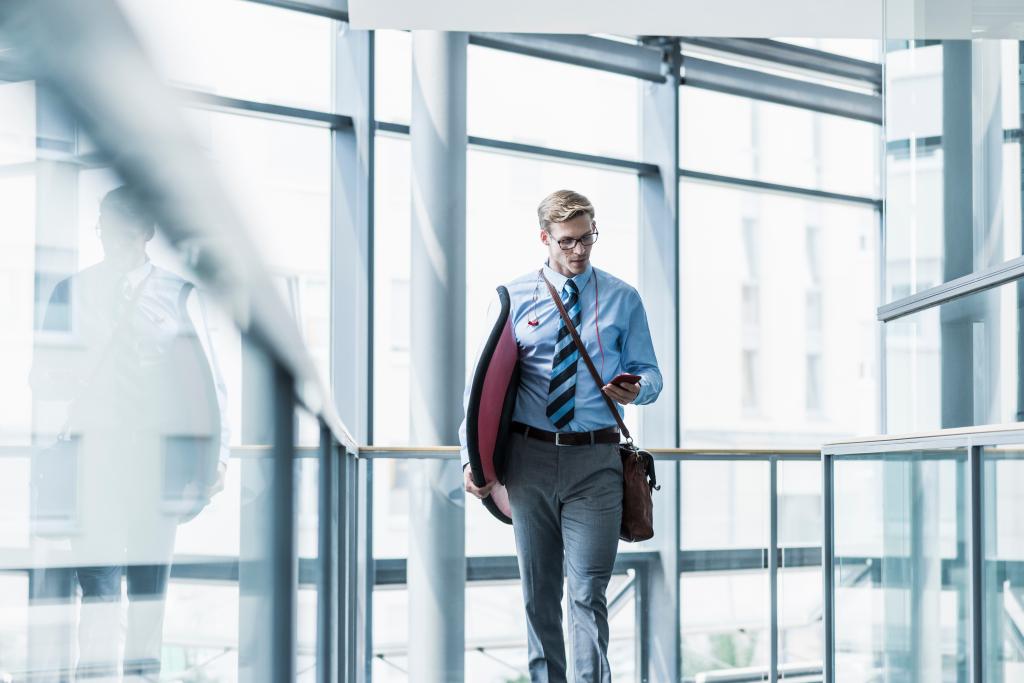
{"points": [[558, 280], [136, 275]]}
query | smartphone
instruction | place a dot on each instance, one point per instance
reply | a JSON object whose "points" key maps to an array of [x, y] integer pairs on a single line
{"points": [[625, 378]]}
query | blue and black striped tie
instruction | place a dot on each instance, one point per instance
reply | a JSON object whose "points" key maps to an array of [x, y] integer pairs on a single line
{"points": [[562, 390]]}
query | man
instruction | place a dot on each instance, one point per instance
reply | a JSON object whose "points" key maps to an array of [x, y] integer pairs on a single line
{"points": [[567, 499], [121, 370]]}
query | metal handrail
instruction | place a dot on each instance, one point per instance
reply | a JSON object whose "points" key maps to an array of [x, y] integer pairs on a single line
{"points": [[668, 454], [960, 437]]}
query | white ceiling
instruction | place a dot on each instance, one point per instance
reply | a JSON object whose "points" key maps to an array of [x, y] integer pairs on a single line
{"points": [[734, 18]]}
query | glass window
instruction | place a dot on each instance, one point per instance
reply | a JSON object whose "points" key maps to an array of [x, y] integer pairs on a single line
{"points": [[800, 576], [279, 175], [392, 76], [523, 99], [391, 297], [543, 102], [131, 512], [724, 585], [953, 191], [900, 599], [239, 49], [779, 365], [1003, 538], [503, 192], [736, 136], [956, 364]]}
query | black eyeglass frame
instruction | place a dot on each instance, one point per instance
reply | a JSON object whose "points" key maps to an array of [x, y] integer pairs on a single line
{"points": [[573, 241]]}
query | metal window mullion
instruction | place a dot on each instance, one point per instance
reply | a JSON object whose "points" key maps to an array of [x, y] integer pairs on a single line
{"points": [[241, 107], [828, 569], [283, 558], [343, 534], [538, 151], [750, 183], [641, 589], [758, 85], [773, 570], [325, 606], [972, 283], [976, 519], [363, 574], [313, 8]]}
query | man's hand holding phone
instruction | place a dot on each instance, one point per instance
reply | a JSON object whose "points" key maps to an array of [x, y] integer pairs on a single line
{"points": [[624, 388]]}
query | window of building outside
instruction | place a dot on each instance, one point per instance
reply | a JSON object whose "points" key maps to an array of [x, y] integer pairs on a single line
{"points": [[763, 349], [917, 162]]}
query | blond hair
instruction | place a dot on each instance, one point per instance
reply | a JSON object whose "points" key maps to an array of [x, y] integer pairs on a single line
{"points": [[562, 206]]}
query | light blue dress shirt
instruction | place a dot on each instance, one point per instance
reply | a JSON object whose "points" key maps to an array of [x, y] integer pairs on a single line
{"points": [[625, 346]]}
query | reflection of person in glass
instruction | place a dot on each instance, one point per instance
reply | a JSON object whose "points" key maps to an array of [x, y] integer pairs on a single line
{"points": [[143, 403]]}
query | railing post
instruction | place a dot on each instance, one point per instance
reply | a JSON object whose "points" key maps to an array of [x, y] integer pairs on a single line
{"points": [[828, 568], [327, 617], [976, 564], [773, 569], [283, 558]]}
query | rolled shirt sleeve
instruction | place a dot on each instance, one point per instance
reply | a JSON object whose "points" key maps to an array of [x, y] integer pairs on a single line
{"points": [[638, 355]]}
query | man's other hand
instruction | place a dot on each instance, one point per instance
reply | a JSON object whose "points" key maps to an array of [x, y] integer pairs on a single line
{"points": [[622, 393], [479, 492]]}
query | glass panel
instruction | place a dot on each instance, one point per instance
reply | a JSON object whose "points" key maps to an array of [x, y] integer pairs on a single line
{"points": [[954, 186], [800, 576], [392, 76], [307, 535], [133, 522], [901, 596], [791, 288], [239, 49], [724, 585], [956, 364], [526, 99], [724, 505], [1003, 587], [495, 633], [725, 624], [280, 176], [737, 136]]}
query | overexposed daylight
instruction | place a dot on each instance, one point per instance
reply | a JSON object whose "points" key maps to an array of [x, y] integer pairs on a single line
{"points": [[252, 255]]}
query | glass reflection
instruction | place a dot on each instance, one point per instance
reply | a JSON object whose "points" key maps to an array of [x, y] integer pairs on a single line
{"points": [[1003, 581], [901, 581], [953, 170], [957, 364], [131, 441]]}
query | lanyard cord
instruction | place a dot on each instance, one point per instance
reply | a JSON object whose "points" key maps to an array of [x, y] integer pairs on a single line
{"points": [[597, 314], [597, 311]]}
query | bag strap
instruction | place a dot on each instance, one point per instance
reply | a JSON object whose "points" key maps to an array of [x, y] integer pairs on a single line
{"points": [[586, 356]]}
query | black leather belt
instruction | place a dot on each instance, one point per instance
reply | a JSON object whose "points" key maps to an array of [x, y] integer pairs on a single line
{"points": [[606, 435]]}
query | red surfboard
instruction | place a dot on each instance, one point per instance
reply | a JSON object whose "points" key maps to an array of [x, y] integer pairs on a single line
{"points": [[492, 399]]}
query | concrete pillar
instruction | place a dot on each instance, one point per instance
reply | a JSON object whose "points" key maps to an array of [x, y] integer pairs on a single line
{"points": [[436, 567], [659, 651]]}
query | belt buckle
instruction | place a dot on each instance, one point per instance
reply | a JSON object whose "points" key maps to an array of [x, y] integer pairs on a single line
{"points": [[558, 439]]}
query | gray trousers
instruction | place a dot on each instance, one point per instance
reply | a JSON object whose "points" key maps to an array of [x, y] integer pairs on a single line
{"points": [[566, 506]]}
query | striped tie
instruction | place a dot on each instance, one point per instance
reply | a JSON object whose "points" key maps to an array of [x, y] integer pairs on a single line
{"points": [[562, 390]]}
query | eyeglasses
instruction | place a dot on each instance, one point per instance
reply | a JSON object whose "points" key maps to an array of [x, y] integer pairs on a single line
{"points": [[569, 243]]}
